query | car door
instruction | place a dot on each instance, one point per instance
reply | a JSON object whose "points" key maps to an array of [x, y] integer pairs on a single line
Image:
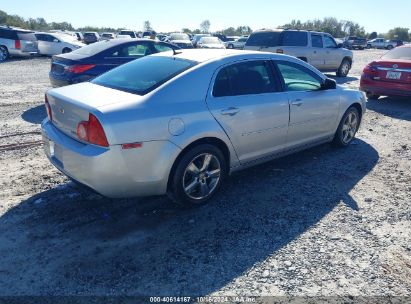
{"points": [[42, 44], [251, 109], [313, 111], [316, 58], [332, 53]]}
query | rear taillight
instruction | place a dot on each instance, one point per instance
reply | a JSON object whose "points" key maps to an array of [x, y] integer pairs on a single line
{"points": [[48, 107], [79, 68], [17, 44], [92, 131]]}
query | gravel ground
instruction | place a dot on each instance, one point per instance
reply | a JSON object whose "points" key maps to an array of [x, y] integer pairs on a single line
{"points": [[319, 223]]}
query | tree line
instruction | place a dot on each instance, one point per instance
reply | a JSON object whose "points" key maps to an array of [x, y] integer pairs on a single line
{"points": [[331, 25]]}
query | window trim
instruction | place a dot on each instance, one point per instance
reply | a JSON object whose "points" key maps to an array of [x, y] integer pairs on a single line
{"points": [[293, 64], [273, 76]]}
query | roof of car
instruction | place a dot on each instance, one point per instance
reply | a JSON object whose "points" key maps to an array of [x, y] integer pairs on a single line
{"points": [[202, 55]]}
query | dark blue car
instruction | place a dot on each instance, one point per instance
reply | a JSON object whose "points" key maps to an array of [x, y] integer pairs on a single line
{"points": [[95, 59]]}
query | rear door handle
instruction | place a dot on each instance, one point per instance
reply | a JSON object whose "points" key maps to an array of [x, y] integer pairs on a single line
{"points": [[231, 111], [298, 102]]}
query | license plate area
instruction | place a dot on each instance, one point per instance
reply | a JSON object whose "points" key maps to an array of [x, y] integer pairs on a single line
{"points": [[393, 75]]}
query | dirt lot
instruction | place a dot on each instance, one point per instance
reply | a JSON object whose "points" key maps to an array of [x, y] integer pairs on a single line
{"points": [[322, 222]]}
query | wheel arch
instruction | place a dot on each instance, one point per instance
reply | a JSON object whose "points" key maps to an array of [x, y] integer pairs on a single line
{"points": [[215, 141]]}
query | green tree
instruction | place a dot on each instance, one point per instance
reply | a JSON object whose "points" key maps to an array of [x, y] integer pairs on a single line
{"points": [[205, 26], [373, 35], [147, 26], [400, 33]]}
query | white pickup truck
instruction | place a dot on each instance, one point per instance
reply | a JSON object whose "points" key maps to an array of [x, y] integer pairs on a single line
{"points": [[381, 43]]}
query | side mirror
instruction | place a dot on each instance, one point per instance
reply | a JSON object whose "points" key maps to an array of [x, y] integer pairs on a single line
{"points": [[340, 45], [328, 84]]}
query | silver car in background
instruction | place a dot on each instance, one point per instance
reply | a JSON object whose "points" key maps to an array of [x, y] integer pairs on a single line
{"points": [[16, 42], [179, 122]]}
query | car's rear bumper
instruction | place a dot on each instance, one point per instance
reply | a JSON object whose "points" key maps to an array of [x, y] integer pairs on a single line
{"points": [[112, 172], [384, 88], [20, 53]]}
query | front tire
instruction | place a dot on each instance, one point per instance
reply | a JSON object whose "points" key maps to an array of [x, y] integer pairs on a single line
{"points": [[230, 46], [4, 53], [197, 176], [66, 50], [390, 47], [344, 68], [347, 128]]}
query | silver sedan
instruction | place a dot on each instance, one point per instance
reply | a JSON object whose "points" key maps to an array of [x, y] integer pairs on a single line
{"points": [[179, 123]]}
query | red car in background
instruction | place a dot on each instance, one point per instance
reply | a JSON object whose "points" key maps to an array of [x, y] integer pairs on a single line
{"points": [[388, 76]]}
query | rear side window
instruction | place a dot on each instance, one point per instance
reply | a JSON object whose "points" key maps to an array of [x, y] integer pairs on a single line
{"points": [[144, 75], [8, 34], [160, 47], [267, 39], [293, 38], [298, 78], [316, 41], [251, 77], [131, 50]]}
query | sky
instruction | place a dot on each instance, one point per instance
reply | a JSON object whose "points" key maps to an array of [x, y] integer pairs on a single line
{"points": [[167, 16]]}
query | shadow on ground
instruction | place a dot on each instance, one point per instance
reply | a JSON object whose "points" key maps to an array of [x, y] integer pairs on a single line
{"points": [[68, 241], [35, 115], [395, 107]]}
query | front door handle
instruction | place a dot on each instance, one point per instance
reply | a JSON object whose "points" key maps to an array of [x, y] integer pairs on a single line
{"points": [[231, 111], [298, 102]]}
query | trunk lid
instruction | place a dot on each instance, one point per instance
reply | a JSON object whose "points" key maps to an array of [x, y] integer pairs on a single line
{"points": [[72, 104], [398, 71]]}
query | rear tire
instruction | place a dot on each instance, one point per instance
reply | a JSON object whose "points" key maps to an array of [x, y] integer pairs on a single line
{"points": [[344, 68], [368, 46], [347, 128], [197, 176], [4, 53]]}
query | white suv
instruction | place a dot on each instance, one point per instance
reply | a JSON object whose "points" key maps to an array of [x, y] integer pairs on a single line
{"points": [[318, 49]]}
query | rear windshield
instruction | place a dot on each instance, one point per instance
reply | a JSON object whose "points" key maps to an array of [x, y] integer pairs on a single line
{"points": [[143, 75], [267, 39], [95, 48], [403, 53], [179, 37], [90, 34], [210, 40], [26, 36]]}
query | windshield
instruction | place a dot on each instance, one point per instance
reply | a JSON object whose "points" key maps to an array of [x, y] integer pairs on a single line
{"points": [[402, 53], [210, 40], [143, 75], [179, 37]]}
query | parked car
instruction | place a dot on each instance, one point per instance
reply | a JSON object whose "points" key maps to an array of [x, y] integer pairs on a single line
{"points": [[197, 37], [397, 42], [388, 76], [79, 36], [318, 49], [381, 43], [91, 37], [182, 40], [210, 43], [123, 136], [236, 44], [16, 42], [132, 34], [95, 59], [353, 42], [53, 44], [107, 36]]}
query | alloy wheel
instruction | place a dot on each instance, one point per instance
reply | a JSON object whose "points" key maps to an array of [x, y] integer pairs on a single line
{"points": [[202, 176], [350, 127]]}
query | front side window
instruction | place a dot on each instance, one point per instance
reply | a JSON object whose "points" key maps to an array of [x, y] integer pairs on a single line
{"points": [[144, 75], [316, 41], [329, 43], [251, 77], [298, 78], [294, 38]]}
